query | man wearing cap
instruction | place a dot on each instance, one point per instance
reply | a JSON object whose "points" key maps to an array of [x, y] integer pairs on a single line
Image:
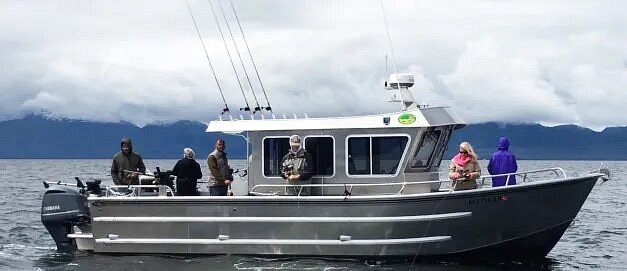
{"points": [[296, 167]]}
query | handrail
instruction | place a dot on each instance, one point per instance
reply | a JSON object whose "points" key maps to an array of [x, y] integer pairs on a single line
{"points": [[349, 186], [559, 173], [342, 240], [132, 189], [523, 174], [281, 219]]}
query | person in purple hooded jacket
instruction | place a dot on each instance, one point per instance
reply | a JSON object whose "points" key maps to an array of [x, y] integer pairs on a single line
{"points": [[501, 162]]}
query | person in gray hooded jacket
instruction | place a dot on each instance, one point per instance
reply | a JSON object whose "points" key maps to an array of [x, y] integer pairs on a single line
{"points": [[126, 164], [296, 167]]}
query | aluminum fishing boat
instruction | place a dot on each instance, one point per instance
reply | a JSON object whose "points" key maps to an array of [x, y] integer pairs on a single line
{"points": [[376, 192]]}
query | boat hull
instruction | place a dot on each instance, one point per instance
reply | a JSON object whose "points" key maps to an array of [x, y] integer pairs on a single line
{"points": [[520, 221]]}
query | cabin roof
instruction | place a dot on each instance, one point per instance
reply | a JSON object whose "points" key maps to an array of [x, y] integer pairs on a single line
{"points": [[424, 117]]}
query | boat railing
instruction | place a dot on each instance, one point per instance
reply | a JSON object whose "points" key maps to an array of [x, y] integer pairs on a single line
{"points": [[348, 187], [525, 175], [135, 190]]}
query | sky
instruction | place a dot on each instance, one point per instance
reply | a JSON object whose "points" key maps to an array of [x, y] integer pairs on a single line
{"points": [[547, 62]]}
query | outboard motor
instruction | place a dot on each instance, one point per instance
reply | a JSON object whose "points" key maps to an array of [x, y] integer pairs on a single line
{"points": [[63, 207]]}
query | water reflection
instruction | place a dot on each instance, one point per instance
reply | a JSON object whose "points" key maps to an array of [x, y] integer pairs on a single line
{"points": [[89, 261]]}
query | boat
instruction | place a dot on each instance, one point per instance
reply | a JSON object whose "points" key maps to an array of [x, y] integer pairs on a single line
{"points": [[376, 192]]}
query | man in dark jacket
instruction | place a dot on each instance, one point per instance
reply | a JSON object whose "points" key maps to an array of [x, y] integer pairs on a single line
{"points": [[187, 172], [296, 167], [126, 164], [220, 175], [501, 162]]}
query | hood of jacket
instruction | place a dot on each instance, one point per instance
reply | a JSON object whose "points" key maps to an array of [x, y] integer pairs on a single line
{"points": [[503, 144], [127, 141]]}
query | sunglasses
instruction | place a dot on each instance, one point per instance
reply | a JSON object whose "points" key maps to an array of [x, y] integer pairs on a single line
{"points": [[463, 152]]}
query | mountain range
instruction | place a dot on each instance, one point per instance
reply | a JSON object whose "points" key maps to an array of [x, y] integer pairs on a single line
{"points": [[41, 137]]}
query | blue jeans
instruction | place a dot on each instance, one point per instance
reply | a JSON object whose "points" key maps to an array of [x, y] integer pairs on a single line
{"points": [[218, 190]]}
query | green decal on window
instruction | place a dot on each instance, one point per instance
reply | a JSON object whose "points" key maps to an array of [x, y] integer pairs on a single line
{"points": [[406, 118]]}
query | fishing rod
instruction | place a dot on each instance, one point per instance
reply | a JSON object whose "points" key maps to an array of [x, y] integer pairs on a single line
{"points": [[226, 107], [247, 108], [257, 108], [268, 108]]}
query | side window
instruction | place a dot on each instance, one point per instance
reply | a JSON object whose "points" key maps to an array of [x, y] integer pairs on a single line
{"points": [[426, 149], [438, 155], [322, 153], [387, 153], [378, 155], [274, 148], [359, 156]]}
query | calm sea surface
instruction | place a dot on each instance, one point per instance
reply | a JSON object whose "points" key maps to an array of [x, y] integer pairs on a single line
{"points": [[596, 240]]}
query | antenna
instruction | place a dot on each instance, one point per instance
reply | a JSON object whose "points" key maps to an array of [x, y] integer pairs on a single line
{"points": [[247, 108], [400, 82], [387, 31], [386, 64], [226, 107], [268, 108], [226, 21]]}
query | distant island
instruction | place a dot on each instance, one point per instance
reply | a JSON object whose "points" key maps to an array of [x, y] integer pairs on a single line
{"points": [[40, 137]]}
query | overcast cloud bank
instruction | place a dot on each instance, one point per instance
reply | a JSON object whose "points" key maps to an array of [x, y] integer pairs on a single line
{"points": [[562, 62]]}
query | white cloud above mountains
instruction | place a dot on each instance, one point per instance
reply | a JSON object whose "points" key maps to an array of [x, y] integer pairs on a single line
{"points": [[559, 62]]}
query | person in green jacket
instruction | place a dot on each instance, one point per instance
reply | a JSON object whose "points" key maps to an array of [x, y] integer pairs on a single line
{"points": [[126, 164], [297, 167]]}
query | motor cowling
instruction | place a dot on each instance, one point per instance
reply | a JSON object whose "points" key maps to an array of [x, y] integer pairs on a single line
{"points": [[62, 208]]}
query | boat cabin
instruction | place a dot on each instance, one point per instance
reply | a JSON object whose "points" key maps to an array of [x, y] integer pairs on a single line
{"points": [[360, 155]]}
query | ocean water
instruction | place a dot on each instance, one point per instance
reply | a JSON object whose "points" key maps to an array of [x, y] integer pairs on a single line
{"points": [[596, 240]]}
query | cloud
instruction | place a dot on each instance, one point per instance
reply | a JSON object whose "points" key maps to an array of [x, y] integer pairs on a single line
{"points": [[575, 80], [514, 61]]}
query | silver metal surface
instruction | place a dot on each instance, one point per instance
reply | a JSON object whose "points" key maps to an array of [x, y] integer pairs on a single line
{"points": [[316, 223], [400, 212], [285, 219], [275, 241]]}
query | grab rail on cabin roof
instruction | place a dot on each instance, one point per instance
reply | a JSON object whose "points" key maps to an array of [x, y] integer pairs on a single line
{"points": [[559, 174], [263, 117]]}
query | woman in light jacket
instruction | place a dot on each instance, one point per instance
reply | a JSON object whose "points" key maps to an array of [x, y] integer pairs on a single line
{"points": [[464, 169]]}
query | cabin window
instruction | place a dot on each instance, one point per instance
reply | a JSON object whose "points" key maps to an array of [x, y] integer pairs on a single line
{"points": [[322, 150], [274, 148], [426, 149], [437, 157], [359, 156], [375, 155]]}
